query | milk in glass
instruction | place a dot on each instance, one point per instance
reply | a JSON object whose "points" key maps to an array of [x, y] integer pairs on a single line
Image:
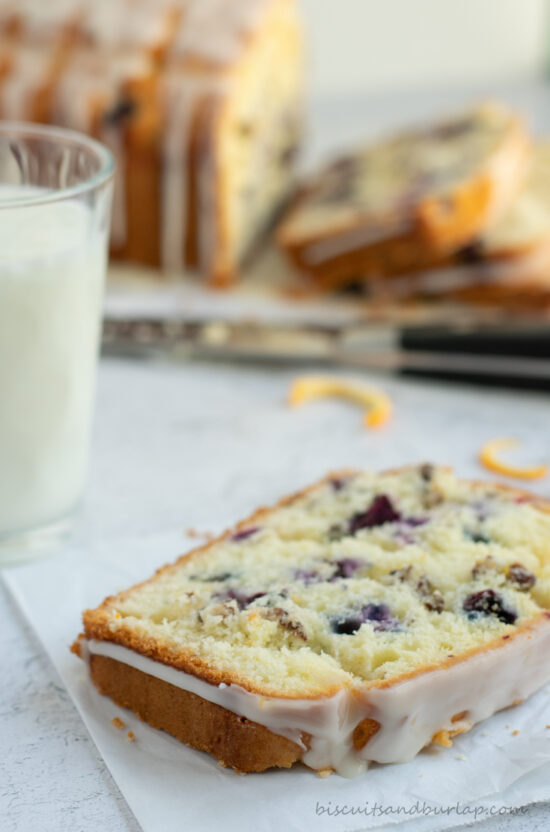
{"points": [[52, 267]]}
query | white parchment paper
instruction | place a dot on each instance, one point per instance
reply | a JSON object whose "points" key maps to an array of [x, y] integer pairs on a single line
{"points": [[501, 765]]}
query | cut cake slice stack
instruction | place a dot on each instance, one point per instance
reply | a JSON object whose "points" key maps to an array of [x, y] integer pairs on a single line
{"points": [[459, 207]]}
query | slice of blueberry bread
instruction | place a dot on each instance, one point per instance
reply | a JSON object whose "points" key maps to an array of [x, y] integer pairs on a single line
{"points": [[511, 260], [358, 620], [394, 206], [508, 263]]}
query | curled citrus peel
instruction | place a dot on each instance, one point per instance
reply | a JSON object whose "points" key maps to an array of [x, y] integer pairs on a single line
{"points": [[488, 458], [378, 405]]}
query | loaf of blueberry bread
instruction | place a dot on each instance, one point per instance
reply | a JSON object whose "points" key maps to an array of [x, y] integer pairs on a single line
{"points": [[200, 101], [359, 620], [400, 204]]}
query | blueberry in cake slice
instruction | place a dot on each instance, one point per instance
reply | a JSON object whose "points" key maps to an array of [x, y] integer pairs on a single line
{"points": [[359, 620], [394, 206]]}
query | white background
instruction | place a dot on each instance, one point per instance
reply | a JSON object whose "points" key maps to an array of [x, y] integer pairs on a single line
{"points": [[376, 45]]}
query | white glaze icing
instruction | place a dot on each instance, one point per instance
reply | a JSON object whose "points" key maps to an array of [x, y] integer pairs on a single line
{"points": [[409, 712], [128, 23], [180, 103], [214, 29], [325, 249], [31, 69], [47, 19], [111, 136], [208, 221], [177, 100]]}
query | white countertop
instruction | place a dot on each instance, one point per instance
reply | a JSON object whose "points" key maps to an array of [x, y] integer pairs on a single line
{"points": [[198, 446]]}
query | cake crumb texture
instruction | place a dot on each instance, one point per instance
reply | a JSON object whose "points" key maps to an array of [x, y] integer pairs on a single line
{"points": [[362, 578]]}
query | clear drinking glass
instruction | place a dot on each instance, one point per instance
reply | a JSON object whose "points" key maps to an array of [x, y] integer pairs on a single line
{"points": [[55, 199]]}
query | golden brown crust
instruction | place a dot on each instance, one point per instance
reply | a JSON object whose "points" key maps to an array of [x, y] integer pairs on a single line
{"points": [[234, 740], [364, 731]]}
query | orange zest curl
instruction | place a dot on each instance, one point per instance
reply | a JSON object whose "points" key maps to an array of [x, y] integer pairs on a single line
{"points": [[488, 456], [378, 406]]}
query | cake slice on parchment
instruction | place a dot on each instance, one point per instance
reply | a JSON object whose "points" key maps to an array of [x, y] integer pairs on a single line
{"points": [[358, 620], [400, 204]]}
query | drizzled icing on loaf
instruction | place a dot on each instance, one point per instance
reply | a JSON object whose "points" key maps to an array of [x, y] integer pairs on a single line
{"points": [[215, 29], [141, 74], [210, 29]]}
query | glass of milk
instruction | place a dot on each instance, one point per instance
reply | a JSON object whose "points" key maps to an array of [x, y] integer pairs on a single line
{"points": [[55, 198]]}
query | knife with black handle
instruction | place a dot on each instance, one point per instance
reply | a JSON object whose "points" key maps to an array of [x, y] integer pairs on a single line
{"points": [[516, 341], [521, 354], [508, 356]]}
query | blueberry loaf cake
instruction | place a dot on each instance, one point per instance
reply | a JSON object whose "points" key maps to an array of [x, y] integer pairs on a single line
{"points": [[359, 620], [199, 100], [398, 205], [508, 263]]}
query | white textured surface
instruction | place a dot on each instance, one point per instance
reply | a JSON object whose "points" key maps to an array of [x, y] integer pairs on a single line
{"points": [[174, 447]]}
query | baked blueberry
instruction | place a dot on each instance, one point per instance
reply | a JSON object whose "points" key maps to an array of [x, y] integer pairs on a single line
{"points": [[414, 522], [244, 534], [346, 567], [346, 626], [243, 598], [308, 576], [338, 483], [218, 577], [488, 602], [476, 537], [124, 109], [380, 512], [379, 615]]}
